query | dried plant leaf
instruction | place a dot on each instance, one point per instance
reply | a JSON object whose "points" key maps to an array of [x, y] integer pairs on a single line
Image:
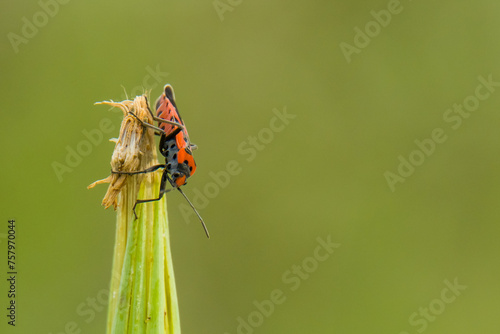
{"points": [[134, 149]]}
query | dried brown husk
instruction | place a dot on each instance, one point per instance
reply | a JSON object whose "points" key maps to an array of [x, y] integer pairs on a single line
{"points": [[134, 150]]}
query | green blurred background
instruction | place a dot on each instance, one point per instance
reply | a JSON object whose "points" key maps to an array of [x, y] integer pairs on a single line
{"points": [[321, 176]]}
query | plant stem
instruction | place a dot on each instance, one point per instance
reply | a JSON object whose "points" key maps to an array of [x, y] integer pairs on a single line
{"points": [[143, 298]]}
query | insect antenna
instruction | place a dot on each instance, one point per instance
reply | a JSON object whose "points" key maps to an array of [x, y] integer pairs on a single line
{"points": [[195, 211]]}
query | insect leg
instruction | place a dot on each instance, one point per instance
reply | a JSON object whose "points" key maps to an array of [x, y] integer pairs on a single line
{"points": [[147, 170], [158, 119], [157, 129], [163, 190]]}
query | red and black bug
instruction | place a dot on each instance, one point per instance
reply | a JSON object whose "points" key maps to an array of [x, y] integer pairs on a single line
{"points": [[175, 146]]}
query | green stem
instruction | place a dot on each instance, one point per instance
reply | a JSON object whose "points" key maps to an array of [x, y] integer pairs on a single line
{"points": [[143, 298]]}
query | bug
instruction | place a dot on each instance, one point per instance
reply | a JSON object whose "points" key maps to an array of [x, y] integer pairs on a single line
{"points": [[175, 146]]}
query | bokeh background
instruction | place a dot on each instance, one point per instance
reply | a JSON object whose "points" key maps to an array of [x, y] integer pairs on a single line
{"points": [[322, 176]]}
